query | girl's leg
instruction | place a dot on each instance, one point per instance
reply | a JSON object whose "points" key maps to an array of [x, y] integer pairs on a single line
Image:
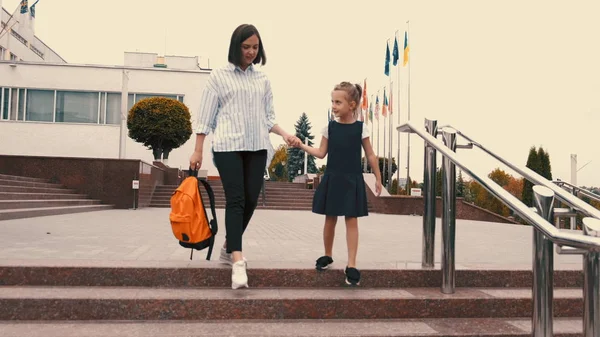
{"points": [[329, 234], [352, 240]]}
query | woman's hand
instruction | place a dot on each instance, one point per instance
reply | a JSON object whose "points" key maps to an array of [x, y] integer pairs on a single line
{"points": [[196, 160], [378, 188]]}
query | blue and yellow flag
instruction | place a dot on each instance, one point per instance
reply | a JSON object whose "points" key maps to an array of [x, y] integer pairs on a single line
{"points": [[32, 9]]}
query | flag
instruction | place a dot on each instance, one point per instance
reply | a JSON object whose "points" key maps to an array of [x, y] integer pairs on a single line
{"points": [[406, 49], [24, 6], [365, 101], [387, 60], [377, 107], [371, 111], [391, 93], [385, 104], [32, 9], [395, 53]]}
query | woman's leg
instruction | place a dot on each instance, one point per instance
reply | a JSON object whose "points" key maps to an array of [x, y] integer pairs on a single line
{"points": [[254, 170], [231, 171]]}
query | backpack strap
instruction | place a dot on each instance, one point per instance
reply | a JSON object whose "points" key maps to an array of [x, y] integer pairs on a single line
{"points": [[211, 198]]}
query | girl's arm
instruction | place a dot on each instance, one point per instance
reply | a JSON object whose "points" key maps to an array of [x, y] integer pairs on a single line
{"points": [[374, 162], [320, 153]]}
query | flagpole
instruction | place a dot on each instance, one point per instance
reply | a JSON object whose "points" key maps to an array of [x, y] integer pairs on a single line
{"points": [[399, 121], [408, 115]]}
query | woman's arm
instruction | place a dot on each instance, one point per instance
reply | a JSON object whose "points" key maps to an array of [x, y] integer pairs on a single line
{"points": [[320, 153]]}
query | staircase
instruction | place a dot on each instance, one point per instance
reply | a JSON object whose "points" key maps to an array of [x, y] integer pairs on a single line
{"points": [[24, 197], [196, 300], [278, 196]]}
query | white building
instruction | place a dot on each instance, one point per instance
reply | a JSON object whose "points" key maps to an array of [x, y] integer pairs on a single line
{"points": [[51, 108]]}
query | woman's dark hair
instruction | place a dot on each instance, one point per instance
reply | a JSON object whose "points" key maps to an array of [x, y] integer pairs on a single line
{"points": [[240, 34]]}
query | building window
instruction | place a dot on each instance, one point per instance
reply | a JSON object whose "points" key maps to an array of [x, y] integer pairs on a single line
{"points": [[113, 108], [40, 105], [2, 53], [5, 102], [13, 57], [77, 107]]}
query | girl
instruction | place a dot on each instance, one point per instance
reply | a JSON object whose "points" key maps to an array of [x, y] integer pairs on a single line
{"points": [[237, 106], [342, 189]]}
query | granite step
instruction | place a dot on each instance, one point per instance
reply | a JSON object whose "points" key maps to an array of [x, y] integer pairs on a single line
{"points": [[39, 196], [484, 327], [25, 189], [20, 204], [21, 183], [200, 273], [222, 206], [46, 211], [132, 303], [19, 178]]}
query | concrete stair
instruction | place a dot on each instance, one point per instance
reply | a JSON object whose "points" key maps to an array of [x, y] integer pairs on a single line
{"points": [[278, 196], [195, 299], [24, 197]]}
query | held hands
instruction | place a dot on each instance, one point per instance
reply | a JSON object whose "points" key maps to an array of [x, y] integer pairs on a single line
{"points": [[292, 141]]}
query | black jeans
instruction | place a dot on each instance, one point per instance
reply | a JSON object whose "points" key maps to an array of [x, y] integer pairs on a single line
{"points": [[242, 177]]}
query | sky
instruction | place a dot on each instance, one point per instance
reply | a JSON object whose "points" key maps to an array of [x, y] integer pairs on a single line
{"points": [[511, 74]]}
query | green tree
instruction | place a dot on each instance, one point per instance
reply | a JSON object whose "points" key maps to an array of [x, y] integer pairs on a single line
{"points": [[295, 155], [382, 162], [545, 167], [278, 166], [460, 185], [534, 162], [161, 124]]}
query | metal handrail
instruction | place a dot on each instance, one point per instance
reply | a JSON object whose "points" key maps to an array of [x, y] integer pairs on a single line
{"points": [[583, 191], [535, 178], [553, 233]]}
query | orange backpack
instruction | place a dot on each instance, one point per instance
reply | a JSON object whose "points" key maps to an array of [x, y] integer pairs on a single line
{"points": [[188, 217]]}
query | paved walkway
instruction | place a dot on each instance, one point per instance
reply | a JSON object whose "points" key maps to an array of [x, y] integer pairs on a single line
{"points": [[386, 241]]}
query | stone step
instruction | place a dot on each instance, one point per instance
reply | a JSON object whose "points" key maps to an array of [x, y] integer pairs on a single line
{"points": [[20, 189], [39, 196], [200, 273], [125, 303], [19, 178], [222, 206], [19, 204], [21, 183], [283, 191], [455, 327], [45, 211]]}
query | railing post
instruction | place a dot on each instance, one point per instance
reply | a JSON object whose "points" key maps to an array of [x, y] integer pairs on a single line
{"points": [[543, 266], [448, 214], [429, 197], [591, 282]]}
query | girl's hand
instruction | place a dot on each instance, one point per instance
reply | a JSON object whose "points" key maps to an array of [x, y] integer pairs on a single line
{"points": [[378, 188]]}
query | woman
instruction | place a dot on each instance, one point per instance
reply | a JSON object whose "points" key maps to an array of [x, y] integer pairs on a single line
{"points": [[237, 106]]}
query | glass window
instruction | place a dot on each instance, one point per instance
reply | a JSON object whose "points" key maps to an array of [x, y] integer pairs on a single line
{"points": [[113, 108], [21, 104], [5, 106], [139, 97], [40, 105], [14, 92], [180, 99], [2, 51], [76, 107], [13, 57]]}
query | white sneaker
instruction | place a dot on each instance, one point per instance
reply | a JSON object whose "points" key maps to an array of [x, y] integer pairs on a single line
{"points": [[239, 279], [225, 257]]}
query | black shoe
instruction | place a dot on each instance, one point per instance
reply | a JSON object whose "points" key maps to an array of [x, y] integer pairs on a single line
{"points": [[352, 276], [323, 262]]}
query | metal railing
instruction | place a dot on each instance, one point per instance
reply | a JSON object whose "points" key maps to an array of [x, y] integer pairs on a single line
{"points": [[577, 190], [266, 177], [540, 217]]}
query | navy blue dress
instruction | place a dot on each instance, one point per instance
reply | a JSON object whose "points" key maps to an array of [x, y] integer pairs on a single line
{"points": [[342, 191]]}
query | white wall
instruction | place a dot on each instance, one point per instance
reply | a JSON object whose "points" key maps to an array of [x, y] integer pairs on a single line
{"points": [[93, 140], [26, 28]]}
